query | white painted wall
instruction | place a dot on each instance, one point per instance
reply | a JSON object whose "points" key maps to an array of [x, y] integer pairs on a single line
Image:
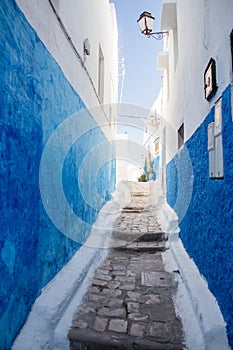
{"points": [[122, 157], [153, 125], [92, 20], [129, 158], [203, 31], [158, 131]]}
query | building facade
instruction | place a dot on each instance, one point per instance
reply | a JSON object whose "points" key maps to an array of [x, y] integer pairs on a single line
{"points": [[153, 129], [197, 64], [58, 96]]}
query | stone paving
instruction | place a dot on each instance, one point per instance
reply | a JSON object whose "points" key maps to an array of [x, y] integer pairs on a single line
{"points": [[129, 303]]}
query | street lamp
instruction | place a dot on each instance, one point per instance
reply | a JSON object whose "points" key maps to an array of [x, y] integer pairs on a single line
{"points": [[145, 22]]}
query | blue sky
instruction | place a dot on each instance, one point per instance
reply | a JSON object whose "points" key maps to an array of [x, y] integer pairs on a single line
{"points": [[142, 80]]}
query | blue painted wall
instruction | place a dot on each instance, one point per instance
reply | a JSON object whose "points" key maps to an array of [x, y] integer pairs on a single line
{"points": [[35, 98], [206, 229]]}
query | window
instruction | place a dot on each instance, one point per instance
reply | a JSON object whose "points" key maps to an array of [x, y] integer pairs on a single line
{"points": [[101, 76], [210, 82], [181, 136]]}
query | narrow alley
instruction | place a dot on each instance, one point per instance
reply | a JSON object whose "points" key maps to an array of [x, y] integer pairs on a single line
{"points": [[116, 175]]}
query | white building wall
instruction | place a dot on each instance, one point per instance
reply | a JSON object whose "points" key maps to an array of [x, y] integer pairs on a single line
{"points": [[154, 126], [92, 20], [202, 32], [122, 157], [199, 180]]}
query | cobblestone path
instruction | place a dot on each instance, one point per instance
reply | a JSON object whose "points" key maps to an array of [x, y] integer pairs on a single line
{"points": [[129, 304]]}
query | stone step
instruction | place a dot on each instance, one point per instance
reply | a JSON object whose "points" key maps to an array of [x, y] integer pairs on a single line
{"points": [[138, 236], [81, 340], [143, 247], [152, 237], [135, 209], [132, 210], [127, 236], [140, 192]]}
